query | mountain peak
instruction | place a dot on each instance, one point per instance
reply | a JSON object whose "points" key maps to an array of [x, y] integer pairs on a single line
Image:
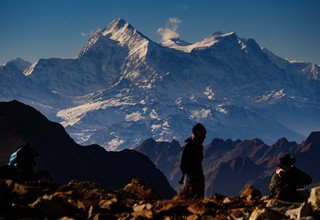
{"points": [[118, 24], [20, 63], [217, 33], [232, 33], [119, 31], [313, 137]]}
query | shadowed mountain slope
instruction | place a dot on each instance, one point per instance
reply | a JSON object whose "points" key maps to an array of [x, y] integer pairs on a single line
{"points": [[66, 160]]}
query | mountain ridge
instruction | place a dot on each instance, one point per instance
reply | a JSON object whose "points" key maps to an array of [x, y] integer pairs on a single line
{"points": [[230, 166], [66, 160], [123, 82]]}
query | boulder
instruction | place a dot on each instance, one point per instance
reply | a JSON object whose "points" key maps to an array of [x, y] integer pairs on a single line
{"points": [[314, 198], [266, 213], [54, 207], [143, 210], [141, 190], [303, 211], [250, 193], [282, 206]]}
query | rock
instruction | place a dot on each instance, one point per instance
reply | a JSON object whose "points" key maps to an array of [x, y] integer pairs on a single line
{"points": [[114, 207], [304, 210], [266, 213], [250, 193], [314, 198], [193, 217], [107, 204], [240, 213], [103, 216], [171, 208], [282, 206], [30, 191], [217, 198], [138, 208], [198, 208], [141, 190], [87, 200], [66, 218], [143, 210], [226, 200], [55, 207]]}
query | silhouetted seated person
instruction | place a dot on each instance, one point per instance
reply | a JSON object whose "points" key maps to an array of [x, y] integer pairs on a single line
{"points": [[23, 160], [190, 165], [288, 179], [21, 166]]}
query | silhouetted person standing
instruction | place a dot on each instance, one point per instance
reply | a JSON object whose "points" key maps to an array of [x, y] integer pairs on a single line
{"points": [[288, 179], [191, 166]]}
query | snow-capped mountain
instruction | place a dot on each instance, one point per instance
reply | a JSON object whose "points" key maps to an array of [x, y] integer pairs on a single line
{"points": [[21, 64], [124, 88]]}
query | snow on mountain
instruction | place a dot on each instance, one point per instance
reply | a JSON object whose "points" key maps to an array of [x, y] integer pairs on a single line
{"points": [[176, 43], [184, 46], [124, 88], [21, 64]]}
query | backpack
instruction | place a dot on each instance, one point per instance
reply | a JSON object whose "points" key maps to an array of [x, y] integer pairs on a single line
{"points": [[23, 159]]}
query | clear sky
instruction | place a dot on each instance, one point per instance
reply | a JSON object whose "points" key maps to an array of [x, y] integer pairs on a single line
{"points": [[59, 28]]}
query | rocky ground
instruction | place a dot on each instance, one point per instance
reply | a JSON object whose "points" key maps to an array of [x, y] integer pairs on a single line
{"points": [[87, 200]]}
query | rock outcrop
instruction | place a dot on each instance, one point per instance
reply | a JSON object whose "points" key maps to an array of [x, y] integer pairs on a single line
{"points": [[88, 200]]}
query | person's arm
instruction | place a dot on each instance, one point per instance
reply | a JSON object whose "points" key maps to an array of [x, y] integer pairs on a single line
{"points": [[276, 181]]}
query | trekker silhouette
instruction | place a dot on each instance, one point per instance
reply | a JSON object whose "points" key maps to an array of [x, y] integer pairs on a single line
{"points": [[23, 159], [287, 181], [21, 164], [191, 167]]}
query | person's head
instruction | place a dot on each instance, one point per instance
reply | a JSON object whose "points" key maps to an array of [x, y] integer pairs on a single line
{"points": [[199, 133], [286, 161]]}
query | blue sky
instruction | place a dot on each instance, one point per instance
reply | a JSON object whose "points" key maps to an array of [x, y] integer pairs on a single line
{"points": [[59, 28]]}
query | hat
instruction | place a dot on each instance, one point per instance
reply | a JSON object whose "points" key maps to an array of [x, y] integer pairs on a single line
{"points": [[285, 160], [199, 128]]}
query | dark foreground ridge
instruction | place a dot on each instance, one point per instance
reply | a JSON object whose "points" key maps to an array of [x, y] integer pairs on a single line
{"points": [[88, 200], [66, 160]]}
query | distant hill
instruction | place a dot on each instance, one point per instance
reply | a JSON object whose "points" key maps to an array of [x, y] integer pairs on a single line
{"points": [[66, 160], [229, 166]]}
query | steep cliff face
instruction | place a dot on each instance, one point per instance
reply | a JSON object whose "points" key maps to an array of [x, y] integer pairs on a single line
{"points": [[65, 159]]}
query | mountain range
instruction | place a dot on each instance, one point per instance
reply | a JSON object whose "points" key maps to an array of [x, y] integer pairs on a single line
{"points": [[229, 165], [232, 165], [124, 88]]}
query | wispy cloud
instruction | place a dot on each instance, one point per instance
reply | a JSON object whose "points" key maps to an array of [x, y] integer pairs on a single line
{"points": [[94, 31], [170, 29], [91, 33]]}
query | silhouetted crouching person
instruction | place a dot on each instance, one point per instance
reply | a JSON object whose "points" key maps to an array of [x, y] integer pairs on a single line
{"points": [[21, 166], [23, 159], [288, 179], [191, 166]]}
